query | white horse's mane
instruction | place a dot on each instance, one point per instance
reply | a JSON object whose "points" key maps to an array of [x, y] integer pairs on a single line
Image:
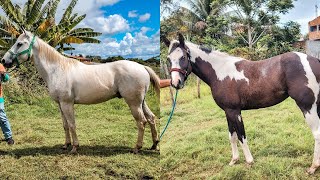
{"points": [[52, 55]]}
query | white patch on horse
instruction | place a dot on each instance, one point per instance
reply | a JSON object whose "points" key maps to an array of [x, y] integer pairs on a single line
{"points": [[235, 153], [246, 151], [312, 80], [223, 64], [239, 118]]}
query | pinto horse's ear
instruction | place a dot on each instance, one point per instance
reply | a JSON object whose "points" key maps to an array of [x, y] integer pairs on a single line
{"points": [[165, 40], [181, 39]]}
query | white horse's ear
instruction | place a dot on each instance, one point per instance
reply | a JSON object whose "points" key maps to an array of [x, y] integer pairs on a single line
{"points": [[23, 30], [181, 39]]}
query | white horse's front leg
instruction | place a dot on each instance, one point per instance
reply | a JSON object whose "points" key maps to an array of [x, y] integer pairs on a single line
{"points": [[66, 131], [68, 112]]}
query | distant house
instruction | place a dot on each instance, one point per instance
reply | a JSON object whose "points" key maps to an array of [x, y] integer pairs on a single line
{"points": [[314, 29]]}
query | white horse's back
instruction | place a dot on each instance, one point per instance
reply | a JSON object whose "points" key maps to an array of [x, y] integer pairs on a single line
{"points": [[99, 83]]}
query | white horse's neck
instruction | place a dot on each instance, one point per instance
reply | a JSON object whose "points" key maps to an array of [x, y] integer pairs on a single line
{"points": [[222, 63], [48, 61]]}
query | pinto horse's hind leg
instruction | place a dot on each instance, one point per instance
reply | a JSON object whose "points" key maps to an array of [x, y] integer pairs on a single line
{"points": [[313, 121], [236, 129], [152, 122]]}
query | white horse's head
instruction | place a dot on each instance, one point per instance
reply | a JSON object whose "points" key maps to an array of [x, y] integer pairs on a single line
{"points": [[20, 51], [179, 58]]}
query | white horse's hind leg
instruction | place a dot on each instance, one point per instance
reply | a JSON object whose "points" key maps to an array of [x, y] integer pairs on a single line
{"points": [[152, 122], [313, 121], [66, 130], [141, 121], [68, 112]]}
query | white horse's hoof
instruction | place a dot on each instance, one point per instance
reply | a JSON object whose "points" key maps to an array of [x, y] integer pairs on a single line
{"points": [[233, 161], [74, 149], [65, 146]]}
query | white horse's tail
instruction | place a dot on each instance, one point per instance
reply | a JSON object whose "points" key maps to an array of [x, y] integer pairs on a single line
{"points": [[155, 80]]}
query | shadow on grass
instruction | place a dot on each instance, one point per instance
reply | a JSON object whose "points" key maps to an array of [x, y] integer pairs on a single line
{"points": [[97, 150]]}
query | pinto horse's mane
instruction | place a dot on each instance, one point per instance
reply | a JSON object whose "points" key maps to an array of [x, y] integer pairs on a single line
{"points": [[210, 52], [52, 55]]}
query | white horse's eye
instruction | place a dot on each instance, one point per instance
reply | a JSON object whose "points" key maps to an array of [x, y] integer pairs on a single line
{"points": [[19, 44]]}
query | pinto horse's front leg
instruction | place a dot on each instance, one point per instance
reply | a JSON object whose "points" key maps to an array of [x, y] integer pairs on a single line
{"points": [[236, 129]]}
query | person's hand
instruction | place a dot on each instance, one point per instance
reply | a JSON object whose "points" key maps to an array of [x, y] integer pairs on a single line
{"points": [[2, 72]]}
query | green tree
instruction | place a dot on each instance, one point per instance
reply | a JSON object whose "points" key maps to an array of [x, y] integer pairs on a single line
{"points": [[254, 17]]}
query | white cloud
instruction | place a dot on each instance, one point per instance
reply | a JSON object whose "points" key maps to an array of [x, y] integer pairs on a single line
{"points": [[144, 29], [109, 25], [132, 14], [136, 45], [144, 17], [107, 2]]}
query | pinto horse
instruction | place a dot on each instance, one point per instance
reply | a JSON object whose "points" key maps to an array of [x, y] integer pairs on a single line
{"points": [[238, 84], [72, 82]]}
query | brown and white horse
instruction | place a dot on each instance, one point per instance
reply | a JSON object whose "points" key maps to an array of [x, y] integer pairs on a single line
{"points": [[238, 84]]}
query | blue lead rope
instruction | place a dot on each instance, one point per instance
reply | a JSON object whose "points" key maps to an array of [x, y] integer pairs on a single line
{"points": [[171, 114]]}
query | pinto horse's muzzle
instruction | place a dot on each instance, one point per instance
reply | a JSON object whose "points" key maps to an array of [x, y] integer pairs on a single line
{"points": [[184, 73]]}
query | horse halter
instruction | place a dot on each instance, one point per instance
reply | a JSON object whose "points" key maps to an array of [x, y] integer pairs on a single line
{"points": [[27, 51], [186, 72]]}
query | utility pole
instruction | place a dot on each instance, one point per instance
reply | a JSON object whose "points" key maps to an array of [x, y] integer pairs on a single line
{"points": [[316, 10]]}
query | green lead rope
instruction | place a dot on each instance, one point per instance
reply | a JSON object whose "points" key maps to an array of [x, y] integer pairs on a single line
{"points": [[171, 114]]}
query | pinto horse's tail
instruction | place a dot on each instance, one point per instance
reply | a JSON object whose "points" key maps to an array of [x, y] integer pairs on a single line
{"points": [[155, 80]]}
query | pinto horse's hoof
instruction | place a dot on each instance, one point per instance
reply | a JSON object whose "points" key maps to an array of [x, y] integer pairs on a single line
{"points": [[233, 161], [311, 170], [65, 146], [74, 149], [250, 164]]}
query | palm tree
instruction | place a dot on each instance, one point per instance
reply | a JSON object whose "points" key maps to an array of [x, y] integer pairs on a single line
{"points": [[42, 22]]}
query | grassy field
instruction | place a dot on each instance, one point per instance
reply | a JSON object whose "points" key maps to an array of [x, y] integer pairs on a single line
{"points": [[196, 145], [106, 132]]}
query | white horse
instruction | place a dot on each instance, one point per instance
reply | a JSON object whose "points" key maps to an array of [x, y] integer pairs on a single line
{"points": [[72, 82]]}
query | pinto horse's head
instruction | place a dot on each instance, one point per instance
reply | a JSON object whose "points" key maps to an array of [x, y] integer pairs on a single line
{"points": [[179, 58], [20, 51]]}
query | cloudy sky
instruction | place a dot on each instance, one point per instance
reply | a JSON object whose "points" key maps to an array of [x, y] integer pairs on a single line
{"points": [[303, 12], [130, 27]]}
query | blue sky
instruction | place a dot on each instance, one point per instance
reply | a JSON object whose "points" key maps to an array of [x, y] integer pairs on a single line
{"points": [[130, 27]]}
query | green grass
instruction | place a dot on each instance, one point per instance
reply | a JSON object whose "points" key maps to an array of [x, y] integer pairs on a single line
{"points": [[196, 145], [107, 132]]}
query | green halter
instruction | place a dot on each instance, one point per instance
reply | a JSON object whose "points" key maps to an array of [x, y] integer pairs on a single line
{"points": [[27, 51]]}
